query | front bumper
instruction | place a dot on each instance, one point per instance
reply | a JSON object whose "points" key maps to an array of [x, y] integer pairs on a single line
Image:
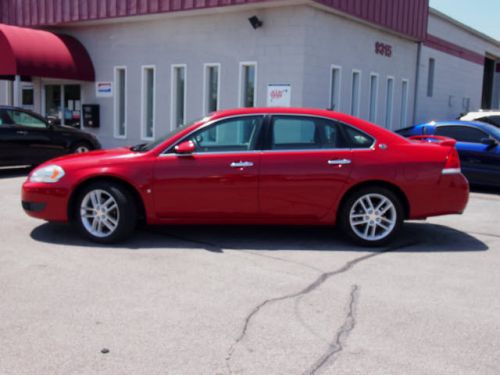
{"points": [[45, 201]]}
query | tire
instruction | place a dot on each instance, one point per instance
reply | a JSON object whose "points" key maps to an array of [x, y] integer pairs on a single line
{"points": [[360, 213], [81, 147], [103, 222]]}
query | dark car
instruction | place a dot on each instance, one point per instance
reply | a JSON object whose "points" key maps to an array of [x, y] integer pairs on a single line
{"points": [[26, 138], [478, 145]]}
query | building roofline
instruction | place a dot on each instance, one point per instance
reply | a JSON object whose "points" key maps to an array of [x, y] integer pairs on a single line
{"points": [[464, 27]]}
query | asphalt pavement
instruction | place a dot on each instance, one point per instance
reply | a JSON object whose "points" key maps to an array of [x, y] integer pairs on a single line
{"points": [[250, 300]]}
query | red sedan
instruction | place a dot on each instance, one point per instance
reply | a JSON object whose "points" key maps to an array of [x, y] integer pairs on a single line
{"points": [[255, 166]]}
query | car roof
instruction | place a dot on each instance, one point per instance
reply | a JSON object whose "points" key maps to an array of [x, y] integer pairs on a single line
{"points": [[476, 124], [478, 114]]}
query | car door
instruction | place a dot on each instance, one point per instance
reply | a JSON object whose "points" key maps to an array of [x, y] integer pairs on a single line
{"points": [[35, 137], [10, 151], [304, 167], [218, 182], [475, 157]]}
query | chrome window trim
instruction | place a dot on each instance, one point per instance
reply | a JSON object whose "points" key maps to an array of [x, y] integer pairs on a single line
{"points": [[167, 152]]}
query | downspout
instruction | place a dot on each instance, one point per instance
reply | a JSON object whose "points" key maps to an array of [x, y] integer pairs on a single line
{"points": [[417, 78]]}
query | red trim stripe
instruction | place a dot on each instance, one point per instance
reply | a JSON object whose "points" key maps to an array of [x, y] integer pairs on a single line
{"points": [[453, 49]]}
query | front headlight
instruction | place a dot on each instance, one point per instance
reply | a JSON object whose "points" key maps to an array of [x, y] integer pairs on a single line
{"points": [[50, 173]]}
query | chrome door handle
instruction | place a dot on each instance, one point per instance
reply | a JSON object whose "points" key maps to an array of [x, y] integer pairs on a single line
{"points": [[241, 164], [23, 132], [339, 162]]}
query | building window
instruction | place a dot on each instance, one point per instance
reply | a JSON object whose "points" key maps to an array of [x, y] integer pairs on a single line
{"points": [[120, 102], [335, 84], [355, 92], [178, 95], [9, 93], [373, 97], [148, 101], [211, 88], [248, 84], [389, 99], [430, 78], [404, 104]]}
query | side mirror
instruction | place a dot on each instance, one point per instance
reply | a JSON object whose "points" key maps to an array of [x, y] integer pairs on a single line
{"points": [[185, 148], [490, 142]]}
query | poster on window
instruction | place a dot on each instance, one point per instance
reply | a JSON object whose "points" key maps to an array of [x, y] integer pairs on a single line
{"points": [[278, 95], [104, 89]]}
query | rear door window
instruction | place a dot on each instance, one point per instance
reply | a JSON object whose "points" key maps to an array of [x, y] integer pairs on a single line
{"points": [[462, 133], [358, 139], [305, 133]]}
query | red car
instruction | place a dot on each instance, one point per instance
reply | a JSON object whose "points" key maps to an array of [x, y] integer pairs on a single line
{"points": [[255, 166]]}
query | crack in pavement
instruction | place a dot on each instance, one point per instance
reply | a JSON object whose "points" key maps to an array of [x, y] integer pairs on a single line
{"points": [[311, 287], [341, 335]]}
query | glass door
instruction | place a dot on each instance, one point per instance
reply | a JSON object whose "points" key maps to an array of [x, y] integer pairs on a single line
{"points": [[63, 104]]}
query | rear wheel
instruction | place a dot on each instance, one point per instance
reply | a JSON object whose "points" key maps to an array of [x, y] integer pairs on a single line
{"points": [[105, 213], [371, 216]]}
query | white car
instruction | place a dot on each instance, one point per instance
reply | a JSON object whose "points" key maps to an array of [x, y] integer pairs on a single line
{"points": [[490, 117]]}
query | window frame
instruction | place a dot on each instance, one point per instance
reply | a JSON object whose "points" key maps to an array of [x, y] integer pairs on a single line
{"points": [[116, 103], [173, 99], [485, 135], [171, 149], [144, 137], [372, 117], [356, 111], [431, 73], [338, 89], [206, 86], [242, 84], [389, 103], [405, 96]]}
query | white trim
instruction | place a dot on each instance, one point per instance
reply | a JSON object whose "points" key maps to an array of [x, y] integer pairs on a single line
{"points": [[447, 171], [9, 92], [240, 84], [338, 68], [403, 115], [173, 83], [143, 97], [205, 85], [375, 105], [388, 122], [116, 101], [355, 111]]}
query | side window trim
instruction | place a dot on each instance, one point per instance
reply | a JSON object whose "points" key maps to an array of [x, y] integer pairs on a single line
{"points": [[260, 129], [35, 116], [268, 125], [484, 134]]}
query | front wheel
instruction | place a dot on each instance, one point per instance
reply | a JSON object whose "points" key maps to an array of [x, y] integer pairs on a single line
{"points": [[81, 148], [371, 216], [105, 213]]}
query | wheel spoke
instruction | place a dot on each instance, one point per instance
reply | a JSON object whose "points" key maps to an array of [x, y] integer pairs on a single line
{"points": [[361, 222]]}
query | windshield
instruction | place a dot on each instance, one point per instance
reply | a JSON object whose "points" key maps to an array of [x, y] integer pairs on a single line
{"points": [[495, 132], [151, 145]]}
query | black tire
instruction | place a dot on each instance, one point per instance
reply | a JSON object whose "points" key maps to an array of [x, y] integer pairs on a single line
{"points": [[396, 214], [125, 214], [77, 147]]}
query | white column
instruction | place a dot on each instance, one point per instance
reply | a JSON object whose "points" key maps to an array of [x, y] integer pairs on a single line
{"points": [[17, 91]]}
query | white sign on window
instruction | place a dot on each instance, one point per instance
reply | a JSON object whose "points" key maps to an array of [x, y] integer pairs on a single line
{"points": [[279, 95], [104, 89]]}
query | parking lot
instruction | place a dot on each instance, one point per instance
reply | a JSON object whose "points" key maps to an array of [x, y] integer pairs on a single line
{"points": [[250, 300]]}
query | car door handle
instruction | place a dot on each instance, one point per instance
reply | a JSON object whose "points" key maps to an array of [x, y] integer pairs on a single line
{"points": [[241, 164], [339, 162], [23, 132]]}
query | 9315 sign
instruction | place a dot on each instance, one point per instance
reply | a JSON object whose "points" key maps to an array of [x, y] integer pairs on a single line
{"points": [[383, 49]]}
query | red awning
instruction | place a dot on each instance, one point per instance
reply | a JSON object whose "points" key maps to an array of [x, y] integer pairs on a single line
{"points": [[38, 53]]}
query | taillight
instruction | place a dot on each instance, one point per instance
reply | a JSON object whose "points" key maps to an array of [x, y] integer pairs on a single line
{"points": [[452, 164]]}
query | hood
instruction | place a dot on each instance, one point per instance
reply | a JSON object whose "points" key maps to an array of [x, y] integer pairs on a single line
{"points": [[98, 157]]}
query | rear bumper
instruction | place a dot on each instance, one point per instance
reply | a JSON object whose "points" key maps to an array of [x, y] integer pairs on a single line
{"points": [[449, 196], [44, 201]]}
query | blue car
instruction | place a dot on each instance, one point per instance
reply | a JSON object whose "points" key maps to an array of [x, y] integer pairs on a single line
{"points": [[478, 145]]}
